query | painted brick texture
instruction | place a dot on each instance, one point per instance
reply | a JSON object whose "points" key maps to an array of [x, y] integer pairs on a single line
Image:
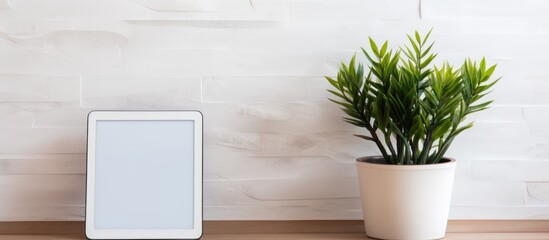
{"points": [[275, 147]]}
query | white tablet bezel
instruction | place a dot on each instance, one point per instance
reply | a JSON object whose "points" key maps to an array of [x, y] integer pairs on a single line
{"points": [[91, 231]]}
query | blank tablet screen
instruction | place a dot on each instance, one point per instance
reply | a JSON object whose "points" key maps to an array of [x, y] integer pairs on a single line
{"points": [[144, 174]]}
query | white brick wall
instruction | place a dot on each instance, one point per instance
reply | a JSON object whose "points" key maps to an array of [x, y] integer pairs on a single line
{"points": [[275, 148]]}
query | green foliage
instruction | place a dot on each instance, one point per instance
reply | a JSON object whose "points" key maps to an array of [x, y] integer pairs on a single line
{"points": [[410, 109]]}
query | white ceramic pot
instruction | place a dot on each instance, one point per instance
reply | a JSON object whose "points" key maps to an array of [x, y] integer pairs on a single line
{"points": [[405, 201]]}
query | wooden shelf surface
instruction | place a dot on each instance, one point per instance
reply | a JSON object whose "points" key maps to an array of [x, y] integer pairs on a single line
{"points": [[271, 230]]}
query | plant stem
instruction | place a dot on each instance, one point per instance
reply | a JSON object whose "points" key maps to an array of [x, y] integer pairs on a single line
{"points": [[426, 145], [414, 148], [400, 150], [444, 147], [390, 145], [408, 149], [380, 145]]}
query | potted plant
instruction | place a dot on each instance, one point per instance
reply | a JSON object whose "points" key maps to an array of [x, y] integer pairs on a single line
{"points": [[412, 111]]}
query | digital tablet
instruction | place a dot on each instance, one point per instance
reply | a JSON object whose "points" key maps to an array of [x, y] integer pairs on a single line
{"points": [[144, 175]]}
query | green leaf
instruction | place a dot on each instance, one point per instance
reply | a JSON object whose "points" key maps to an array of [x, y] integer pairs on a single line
{"points": [[342, 104], [427, 61], [374, 48], [364, 137], [416, 48], [384, 48], [442, 129], [418, 38], [354, 122], [461, 129], [333, 82], [352, 113], [417, 107], [426, 38], [489, 72], [339, 95], [427, 50]]}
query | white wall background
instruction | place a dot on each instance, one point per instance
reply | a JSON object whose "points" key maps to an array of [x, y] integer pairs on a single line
{"points": [[275, 147]]}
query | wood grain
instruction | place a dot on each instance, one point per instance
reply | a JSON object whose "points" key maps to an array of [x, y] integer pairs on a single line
{"points": [[45, 228], [353, 236], [289, 227], [306, 236], [498, 226]]}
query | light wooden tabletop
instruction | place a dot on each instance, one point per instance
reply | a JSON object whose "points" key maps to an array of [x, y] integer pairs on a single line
{"points": [[291, 230], [306, 236]]}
